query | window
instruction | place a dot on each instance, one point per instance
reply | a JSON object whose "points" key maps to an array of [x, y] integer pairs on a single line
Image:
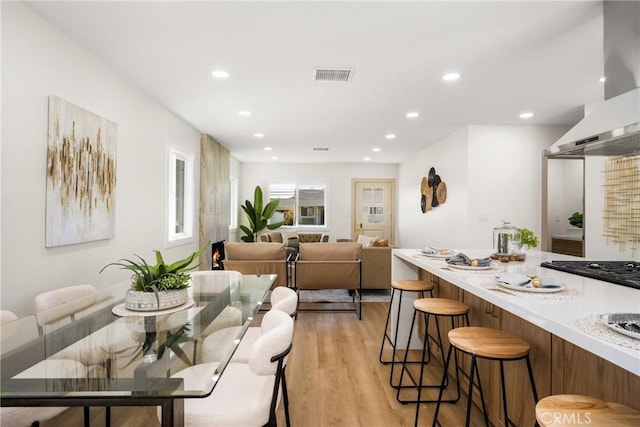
{"points": [[180, 208], [300, 204], [233, 203]]}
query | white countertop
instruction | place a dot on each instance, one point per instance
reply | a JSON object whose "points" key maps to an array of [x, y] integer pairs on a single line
{"points": [[555, 316]]}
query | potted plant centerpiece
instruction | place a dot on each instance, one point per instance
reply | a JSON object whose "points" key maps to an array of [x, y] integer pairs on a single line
{"points": [[159, 286]]}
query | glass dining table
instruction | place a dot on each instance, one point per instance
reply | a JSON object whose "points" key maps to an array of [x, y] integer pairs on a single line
{"points": [[103, 354]]}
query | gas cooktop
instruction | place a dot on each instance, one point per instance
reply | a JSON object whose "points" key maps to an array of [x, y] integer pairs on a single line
{"points": [[625, 273]]}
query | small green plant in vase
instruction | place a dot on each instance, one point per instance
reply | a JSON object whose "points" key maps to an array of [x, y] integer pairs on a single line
{"points": [[528, 239], [168, 283]]}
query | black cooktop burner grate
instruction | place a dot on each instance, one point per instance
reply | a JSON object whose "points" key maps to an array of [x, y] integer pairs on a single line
{"points": [[625, 273]]}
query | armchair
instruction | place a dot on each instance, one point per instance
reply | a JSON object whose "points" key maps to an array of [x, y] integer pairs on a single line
{"points": [[330, 266], [258, 258]]}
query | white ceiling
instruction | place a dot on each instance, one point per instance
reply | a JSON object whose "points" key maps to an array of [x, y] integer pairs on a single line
{"points": [[544, 57]]}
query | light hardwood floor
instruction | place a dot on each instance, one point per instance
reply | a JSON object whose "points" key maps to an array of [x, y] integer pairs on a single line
{"points": [[334, 380]]}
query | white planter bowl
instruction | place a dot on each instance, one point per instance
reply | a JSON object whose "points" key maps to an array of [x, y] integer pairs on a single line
{"points": [[147, 301]]}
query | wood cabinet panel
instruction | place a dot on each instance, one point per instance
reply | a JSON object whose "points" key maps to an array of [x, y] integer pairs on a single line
{"points": [[577, 371], [566, 246], [484, 314], [520, 401]]}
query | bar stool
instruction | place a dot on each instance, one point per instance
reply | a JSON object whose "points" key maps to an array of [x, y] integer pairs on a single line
{"points": [[572, 409], [490, 344], [436, 307], [419, 286]]}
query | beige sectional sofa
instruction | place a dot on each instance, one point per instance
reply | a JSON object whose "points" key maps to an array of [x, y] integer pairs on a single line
{"points": [[259, 257]]}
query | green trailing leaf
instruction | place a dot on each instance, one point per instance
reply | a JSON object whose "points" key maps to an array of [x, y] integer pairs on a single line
{"points": [[258, 215]]}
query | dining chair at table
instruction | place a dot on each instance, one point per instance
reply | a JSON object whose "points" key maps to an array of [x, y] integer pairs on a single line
{"points": [[247, 394], [218, 345], [59, 307], [32, 416], [283, 299]]}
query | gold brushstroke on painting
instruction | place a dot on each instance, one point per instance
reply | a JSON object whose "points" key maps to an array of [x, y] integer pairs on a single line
{"points": [[86, 175]]}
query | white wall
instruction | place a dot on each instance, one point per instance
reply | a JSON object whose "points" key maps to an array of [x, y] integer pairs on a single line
{"points": [[492, 173], [38, 61], [337, 177], [442, 226]]}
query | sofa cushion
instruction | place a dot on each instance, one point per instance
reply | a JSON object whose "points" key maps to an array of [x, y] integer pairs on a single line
{"points": [[348, 251], [366, 240], [255, 251], [381, 243]]}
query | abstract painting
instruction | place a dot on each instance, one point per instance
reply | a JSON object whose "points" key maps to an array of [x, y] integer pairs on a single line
{"points": [[81, 175]]}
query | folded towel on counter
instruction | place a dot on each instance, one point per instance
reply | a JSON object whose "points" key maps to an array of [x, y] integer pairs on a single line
{"points": [[462, 259]]}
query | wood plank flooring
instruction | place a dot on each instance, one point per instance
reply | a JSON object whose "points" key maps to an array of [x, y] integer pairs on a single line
{"points": [[334, 380]]}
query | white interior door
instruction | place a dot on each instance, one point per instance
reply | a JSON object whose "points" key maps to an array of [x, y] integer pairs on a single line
{"points": [[374, 208]]}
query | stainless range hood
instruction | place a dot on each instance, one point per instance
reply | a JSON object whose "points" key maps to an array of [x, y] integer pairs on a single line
{"points": [[612, 128]]}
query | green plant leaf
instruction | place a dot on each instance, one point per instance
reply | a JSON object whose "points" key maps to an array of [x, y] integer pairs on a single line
{"points": [[275, 225], [257, 199], [270, 209]]}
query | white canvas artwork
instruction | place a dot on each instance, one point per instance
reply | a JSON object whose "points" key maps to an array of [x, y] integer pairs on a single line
{"points": [[81, 175]]}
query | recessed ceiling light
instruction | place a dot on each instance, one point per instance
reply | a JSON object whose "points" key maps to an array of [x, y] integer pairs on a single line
{"points": [[274, 157], [526, 115], [413, 114], [390, 136], [268, 148], [244, 113], [219, 74], [376, 149], [449, 77], [602, 79], [367, 158], [259, 135]]}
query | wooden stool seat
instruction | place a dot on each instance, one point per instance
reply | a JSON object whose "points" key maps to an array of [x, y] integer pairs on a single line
{"points": [[441, 306], [488, 343], [412, 285], [571, 409]]}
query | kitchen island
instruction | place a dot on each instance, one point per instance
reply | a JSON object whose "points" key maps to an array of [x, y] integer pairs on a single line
{"points": [[566, 359]]}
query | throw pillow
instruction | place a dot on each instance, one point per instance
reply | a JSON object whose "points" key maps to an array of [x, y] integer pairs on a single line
{"points": [[383, 243], [286, 235], [366, 240]]}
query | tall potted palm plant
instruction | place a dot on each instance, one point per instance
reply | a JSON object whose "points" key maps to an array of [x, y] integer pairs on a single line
{"points": [[258, 216]]}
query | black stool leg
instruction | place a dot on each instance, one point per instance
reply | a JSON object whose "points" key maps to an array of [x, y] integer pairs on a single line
{"points": [[504, 395], [395, 339], [386, 336], [441, 391], [404, 362], [87, 420]]}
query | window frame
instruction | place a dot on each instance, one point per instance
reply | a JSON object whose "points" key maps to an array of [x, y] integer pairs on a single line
{"points": [[173, 238], [296, 206]]}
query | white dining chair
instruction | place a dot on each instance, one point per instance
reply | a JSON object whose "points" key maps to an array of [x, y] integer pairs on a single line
{"points": [[217, 345], [28, 416], [247, 394], [283, 299], [59, 307]]}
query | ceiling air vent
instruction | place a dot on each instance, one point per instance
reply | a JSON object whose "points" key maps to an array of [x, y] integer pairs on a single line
{"points": [[320, 148], [333, 74]]}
